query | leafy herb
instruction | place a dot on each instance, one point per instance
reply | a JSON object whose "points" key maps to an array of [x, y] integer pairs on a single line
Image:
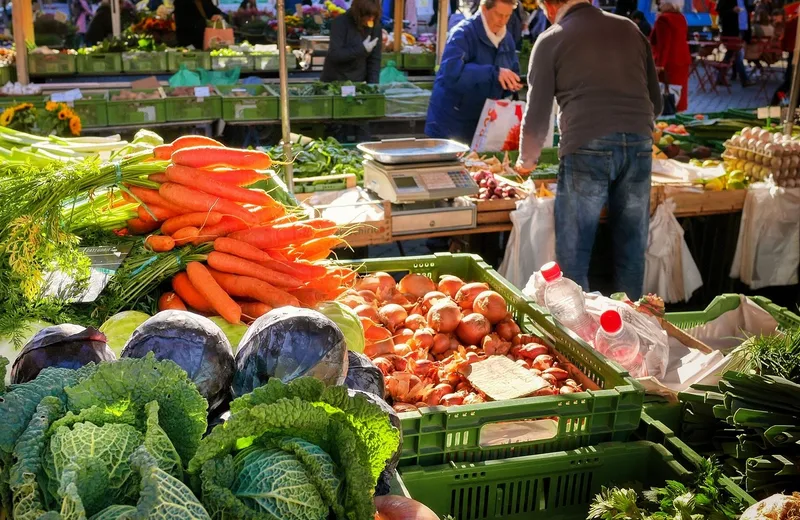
{"points": [[772, 355], [321, 157]]}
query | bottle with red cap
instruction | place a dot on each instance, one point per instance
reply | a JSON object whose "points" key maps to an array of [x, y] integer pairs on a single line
{"points": [[618, 341], [565, 302]]}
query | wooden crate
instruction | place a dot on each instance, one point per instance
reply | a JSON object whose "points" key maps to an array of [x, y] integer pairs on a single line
{"points": [[494, 211], [374, 233], [690, 202]]}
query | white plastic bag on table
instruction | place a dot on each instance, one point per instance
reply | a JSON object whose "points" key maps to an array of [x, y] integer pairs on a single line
{"points": [[768, 250], [653, 339], [670, 270], [533, 239]]}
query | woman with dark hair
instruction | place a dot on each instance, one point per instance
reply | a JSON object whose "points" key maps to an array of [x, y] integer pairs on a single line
{"points": [[354, 53]]}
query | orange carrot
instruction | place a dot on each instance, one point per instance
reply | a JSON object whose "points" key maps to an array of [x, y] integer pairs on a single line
{"points": [[286, 219], [326, 283], [322, 227], [211, 156], [318, 248], [160, 213], [191, 219], [196, 200], [157, 177], [187, 292], [253, 288], [253, 310], [152, 198], [269, 214], [226, 226], [163, 152], [213, 293], [188, 141], [248, 252], [170, 300], [137, 226], [308, 297], [347, 275], [205, 182], [185, 235], [275, 237], [234, 265], [238, 177], [307, 271], [160, 243]]}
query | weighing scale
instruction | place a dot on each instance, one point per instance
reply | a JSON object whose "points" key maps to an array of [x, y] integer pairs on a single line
{"points": [[425, 181]]}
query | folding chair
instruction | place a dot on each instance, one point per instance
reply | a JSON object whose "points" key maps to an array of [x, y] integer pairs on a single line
{"points": [[698, 69]]}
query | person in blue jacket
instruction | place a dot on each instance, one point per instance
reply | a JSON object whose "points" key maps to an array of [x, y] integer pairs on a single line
{"points": [[479, 63]]}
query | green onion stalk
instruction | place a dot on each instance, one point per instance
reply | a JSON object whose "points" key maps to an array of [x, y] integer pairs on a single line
{"points": [[107, 211]]}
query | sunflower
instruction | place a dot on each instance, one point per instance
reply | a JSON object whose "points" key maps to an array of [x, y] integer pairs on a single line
{"points": [[51, 106], [6, 117], [63, 114], [75, 125], [23, 106]]}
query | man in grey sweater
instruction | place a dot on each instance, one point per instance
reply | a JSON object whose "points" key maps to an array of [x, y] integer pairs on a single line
{"points": [[600, 69]]}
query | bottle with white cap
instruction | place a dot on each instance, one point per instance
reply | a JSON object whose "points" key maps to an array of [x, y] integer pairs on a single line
{"points": [[619, 342], [565, 302]]}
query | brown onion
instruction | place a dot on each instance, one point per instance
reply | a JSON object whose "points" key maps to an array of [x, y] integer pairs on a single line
{"points": [[423, 338], [401, 349], [543, 362], [392, 316], [430, 299], [441, 343], [491, 305], [375, 282], [416, 321], [395, 507], [450, 285], [452, 400], [507, 329], [368, 296], [368, 311], [473, 328], [465, 296], [417, 285], [352, 300], [444, 316], [433, 395]]}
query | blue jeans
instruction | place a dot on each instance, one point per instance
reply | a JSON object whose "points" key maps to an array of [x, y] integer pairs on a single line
{"points": [[612, 171]]}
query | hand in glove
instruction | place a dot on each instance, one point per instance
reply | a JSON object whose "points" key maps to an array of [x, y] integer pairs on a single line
{"points": [[370, 43]]}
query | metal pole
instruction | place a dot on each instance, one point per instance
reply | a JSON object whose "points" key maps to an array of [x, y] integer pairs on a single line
{"points": [[21, 15], [116, 22], [284, 73], [789, 123], [399, 14], [441, 29]]}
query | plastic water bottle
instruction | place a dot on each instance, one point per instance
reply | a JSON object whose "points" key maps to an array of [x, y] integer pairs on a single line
{"points": [[564, 300], [539, 285], [619, 342]]}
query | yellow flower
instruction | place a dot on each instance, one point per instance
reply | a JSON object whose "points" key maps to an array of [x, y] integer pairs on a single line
{"points": [[75, 125], [23, 106], [51, 106], [6, 117], [63, 114]]}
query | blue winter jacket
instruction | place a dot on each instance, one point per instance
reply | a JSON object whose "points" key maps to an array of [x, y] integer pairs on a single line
{"points": [[467, 77]]}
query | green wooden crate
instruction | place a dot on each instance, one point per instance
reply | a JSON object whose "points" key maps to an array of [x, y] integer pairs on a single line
{"points": [[248, 103], [396, 57], [51, 64], [469, 433], [7, 74], [92, 109], [99, 63], [145, 62], [192, 108], [129, 112], [192, 60], [244, 63], [10, 101], [271, 62], [422, 61], [359, 106]]}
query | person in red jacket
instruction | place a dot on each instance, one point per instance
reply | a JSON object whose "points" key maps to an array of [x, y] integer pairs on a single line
{"points": [[671, 48], [787, 44]]}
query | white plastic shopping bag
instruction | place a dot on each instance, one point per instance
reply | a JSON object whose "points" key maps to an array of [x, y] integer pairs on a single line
{"points": [[533, 239], [768, 250], [670, 270], [500, 125]]}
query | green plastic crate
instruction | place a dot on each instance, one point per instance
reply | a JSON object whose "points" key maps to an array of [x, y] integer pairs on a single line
{"points": [[386, 57], [99, 63], [359, 106], [243, 63], [192, 108], [307, 107], [6, 74], [257, 105], [439, 435], [92, 109], [729, 302], [552, 486], [144, 62], [192, 60], [271, 62], [128, 112], [422, 61], [10, 101], [52, 64]]}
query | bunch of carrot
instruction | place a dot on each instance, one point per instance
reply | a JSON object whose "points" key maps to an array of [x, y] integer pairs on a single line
{"points": [[263, 257]]}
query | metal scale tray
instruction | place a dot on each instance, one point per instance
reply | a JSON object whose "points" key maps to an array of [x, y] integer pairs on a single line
{"points": [[411, 150]]}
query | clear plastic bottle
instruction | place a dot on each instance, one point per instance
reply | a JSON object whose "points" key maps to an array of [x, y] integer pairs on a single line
{"points": [[564, 300], [539, 285], [619, 342]]}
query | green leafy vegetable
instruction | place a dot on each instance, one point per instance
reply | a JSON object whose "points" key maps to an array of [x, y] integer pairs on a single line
{"points": [[347, 320]]}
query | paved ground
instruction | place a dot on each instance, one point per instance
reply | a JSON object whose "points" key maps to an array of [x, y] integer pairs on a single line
{"points": [[750, 97]]}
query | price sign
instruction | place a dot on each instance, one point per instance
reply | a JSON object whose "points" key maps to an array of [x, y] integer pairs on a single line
{"points": [[348, 91], [202, 92]]}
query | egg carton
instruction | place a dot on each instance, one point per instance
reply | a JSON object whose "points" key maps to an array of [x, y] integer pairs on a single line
{"points": [[786, 162]]}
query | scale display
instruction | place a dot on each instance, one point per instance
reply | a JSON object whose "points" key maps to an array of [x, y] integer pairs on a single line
{"points": [[413, 183]]}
